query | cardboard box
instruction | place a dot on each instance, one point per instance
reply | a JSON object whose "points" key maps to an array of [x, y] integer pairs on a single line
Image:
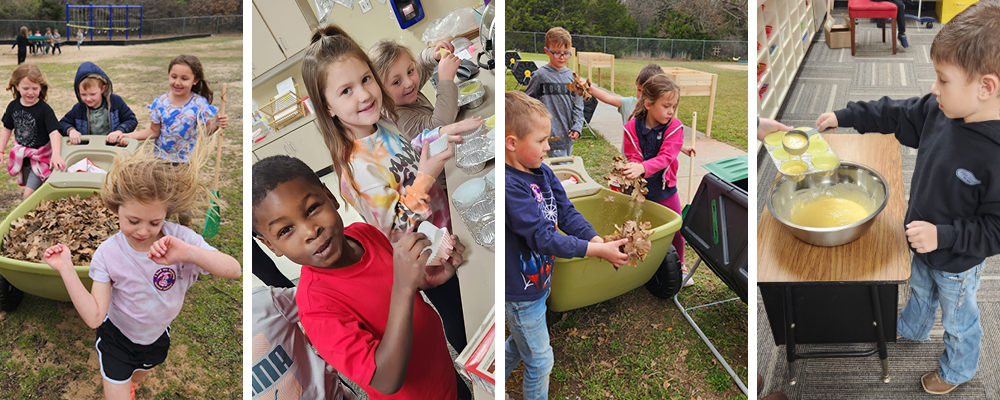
{"points": [[837, 36]]}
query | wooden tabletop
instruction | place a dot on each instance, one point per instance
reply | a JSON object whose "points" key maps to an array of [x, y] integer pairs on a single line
{"points": [[881, 255]]}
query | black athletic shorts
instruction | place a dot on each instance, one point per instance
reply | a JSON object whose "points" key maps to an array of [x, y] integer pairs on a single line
{"points": [[120, 357]]}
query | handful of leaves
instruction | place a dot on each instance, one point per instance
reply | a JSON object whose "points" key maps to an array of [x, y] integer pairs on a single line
{"points": [[580, 89], [617, 175], [638, 240], [81, 224]]}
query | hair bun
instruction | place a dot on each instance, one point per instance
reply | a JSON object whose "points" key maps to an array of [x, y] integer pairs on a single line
{"points": [[328, 31]]}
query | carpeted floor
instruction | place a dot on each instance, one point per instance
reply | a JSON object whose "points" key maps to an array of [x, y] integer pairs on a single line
{"points": [[828, 79]]}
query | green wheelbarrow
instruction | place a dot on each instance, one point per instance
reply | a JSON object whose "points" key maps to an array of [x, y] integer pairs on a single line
{"points": [[38, 278], [581, 282]]}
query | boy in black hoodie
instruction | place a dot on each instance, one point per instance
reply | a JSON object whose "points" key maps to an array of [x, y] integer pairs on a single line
{"points": [[953, 216], [98, 111]]}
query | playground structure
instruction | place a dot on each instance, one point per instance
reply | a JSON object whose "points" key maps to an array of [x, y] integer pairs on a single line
{"points": [[104, 18]]}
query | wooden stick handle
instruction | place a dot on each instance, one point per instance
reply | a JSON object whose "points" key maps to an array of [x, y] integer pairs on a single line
{"points": [[218, 146], [694, 138]]}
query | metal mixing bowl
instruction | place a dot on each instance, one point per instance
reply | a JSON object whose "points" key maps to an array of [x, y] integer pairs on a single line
{"points": [[779, 202]]}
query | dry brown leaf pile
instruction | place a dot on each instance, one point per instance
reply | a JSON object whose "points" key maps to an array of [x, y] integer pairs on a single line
{"points": [[80, 224], [638, 240], [617, 175], [581, 90]]}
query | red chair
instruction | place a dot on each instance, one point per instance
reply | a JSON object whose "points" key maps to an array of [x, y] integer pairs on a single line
{"points": [[871, 9]]}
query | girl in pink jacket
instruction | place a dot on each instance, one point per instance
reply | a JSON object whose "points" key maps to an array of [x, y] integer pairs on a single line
{"points": [[653, 139]]}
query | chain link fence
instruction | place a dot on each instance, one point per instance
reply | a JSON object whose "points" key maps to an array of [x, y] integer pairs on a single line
{"points": [[637, 48], [158, 27]]}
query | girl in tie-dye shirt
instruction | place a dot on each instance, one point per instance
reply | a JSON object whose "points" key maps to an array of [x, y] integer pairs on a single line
{"points": [[174, 116]]}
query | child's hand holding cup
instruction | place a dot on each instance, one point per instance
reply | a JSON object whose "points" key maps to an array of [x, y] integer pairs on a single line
{"points": [[409, 260]]}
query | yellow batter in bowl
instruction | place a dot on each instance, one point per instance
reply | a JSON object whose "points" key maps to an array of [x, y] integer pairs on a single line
{"points": [[829, 212], [795, 141]]}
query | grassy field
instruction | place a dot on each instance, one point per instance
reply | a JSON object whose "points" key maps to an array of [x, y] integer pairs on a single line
{"points": [[729, 121], [46, 350], [638, 346]]}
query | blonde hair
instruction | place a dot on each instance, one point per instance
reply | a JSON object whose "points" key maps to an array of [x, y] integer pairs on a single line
{"points": [[385, 53], [518, 107], [655, 86], [558, 35], [971, 40], [331, 44], [34, 74], [143, 177]]}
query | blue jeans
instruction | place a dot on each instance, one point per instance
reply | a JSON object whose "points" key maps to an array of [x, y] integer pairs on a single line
{"points": [[956, 294], [529, 341]]}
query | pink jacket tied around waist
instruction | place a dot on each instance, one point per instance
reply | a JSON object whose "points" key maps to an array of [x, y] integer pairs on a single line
{"points": [[39, 162]]}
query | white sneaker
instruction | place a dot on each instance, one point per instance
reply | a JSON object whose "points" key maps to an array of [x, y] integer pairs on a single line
{"points": [[684, 275]]}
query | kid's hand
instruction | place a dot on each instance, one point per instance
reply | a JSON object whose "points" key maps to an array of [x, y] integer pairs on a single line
{"points": [[409, 260], [434, 165], [574, 135], [767, 126], [689, 151], [115, 137], [922, 235], [463, 127], [448, 67], [58, 258], [597, 239], [825, 121], [634, 170], [222, 121], [611, 252], [169, 250], [444, 44], [57, 163], [435, 275], [74, 136]]}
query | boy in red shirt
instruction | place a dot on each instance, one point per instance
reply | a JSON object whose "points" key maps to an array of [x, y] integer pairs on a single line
{"points": [[358, 296]]}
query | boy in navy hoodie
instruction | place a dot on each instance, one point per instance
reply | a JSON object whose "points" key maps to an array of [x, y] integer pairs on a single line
{"points": [[537, 209], [953, 216], [98, 111]]}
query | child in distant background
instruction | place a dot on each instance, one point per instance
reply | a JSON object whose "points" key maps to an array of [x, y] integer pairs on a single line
{"points": [[98, 110], [79, 38], [653, 139], [174, 116], [626, 105], [35, 129], [403, 77], [22, 44], [548, 85]]}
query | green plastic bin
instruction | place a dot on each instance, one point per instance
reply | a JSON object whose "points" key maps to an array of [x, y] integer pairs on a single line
{"points": [[38, 278], [735, 170], [580, 282]]}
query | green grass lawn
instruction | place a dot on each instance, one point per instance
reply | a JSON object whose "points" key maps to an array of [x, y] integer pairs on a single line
{"points": [[46, 350], [637, 346], [729, 121]]}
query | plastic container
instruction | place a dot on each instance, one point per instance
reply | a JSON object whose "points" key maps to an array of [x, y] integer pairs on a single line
{"points": [[580, 282], [38, 278], [97, 150]]}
